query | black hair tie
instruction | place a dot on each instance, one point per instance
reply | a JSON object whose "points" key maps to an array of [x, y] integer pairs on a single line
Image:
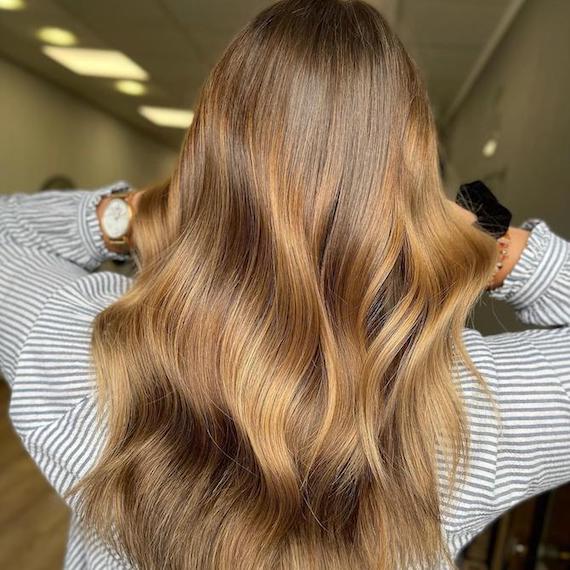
{"points": [[492, 216]]}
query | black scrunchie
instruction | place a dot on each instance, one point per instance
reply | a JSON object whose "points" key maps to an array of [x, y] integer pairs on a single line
{"points": [[492, 216]]}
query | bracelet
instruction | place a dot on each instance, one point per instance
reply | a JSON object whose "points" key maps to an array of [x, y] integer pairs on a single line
{"points": [[503, 252]]}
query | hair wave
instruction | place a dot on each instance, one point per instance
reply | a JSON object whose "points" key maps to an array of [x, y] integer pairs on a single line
{"points": [[277, 384]]}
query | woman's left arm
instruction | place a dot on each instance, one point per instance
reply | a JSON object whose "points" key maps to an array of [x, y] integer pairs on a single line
{"points": [[47, 240], [59, 222]]}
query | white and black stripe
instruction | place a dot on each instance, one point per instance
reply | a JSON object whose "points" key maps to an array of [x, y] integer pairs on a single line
{"points": [[49, 245]]}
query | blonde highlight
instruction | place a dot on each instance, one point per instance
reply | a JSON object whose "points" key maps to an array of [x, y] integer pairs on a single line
{"points": [[278, 382]]}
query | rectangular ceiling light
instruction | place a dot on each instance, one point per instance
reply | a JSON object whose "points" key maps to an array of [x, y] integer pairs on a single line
{"points": [[166, 117], [96, 62]]}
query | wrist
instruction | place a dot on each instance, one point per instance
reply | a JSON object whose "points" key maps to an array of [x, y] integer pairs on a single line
{"points": [[508, 254], [509, 247], [123, 244]]}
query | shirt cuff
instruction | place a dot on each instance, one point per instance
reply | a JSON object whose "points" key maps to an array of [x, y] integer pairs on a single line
{"points": [[536, 268], [90, 229]]}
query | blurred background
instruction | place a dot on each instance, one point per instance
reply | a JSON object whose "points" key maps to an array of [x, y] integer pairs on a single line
{"points": [[93, 91]]}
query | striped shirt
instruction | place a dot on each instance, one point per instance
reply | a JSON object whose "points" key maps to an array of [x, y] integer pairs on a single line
{"points": [[50, 244]]}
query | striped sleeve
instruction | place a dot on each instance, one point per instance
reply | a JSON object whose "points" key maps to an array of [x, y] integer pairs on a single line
{"points": [[46, 240], [528, 373], [538, 287], [59, 222]]}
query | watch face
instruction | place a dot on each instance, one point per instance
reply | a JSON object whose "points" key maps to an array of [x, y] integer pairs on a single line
{"points": [[115, 219]]}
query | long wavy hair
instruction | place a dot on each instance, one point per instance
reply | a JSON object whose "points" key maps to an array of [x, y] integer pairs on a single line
{"points": [[277, 384]]}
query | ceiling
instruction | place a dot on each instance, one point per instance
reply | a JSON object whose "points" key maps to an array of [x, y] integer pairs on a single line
{"points": [[177, 42]]}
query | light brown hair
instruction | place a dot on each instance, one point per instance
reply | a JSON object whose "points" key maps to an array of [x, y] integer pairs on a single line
{"points": [[279, 378]]}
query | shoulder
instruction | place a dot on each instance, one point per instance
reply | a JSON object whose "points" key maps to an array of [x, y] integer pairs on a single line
{"points": [[525, 450], [53, 372], [82, 299], [52, 406], [473, 506]]}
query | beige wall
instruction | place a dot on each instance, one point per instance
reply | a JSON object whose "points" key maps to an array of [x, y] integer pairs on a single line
{"points": [[45, 131], [522, 98]]}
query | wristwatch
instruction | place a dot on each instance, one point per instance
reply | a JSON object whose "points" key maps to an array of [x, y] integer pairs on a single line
{"points": [[116, 220]]}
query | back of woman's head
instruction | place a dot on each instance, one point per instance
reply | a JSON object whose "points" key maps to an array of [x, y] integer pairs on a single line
{"points": [[277, 383]]}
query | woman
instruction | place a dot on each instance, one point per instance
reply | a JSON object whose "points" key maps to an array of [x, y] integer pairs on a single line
{"points": [[287, 382]]}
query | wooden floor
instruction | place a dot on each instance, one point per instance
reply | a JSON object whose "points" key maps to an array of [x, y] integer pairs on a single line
{"points": [[33, 518]]}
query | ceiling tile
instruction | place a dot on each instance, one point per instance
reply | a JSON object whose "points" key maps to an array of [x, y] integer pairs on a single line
{"points": [[177, 42]]}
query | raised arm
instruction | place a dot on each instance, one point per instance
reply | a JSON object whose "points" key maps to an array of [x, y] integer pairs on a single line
{"points": [[47, 240], [59, 222], [528, 373]]}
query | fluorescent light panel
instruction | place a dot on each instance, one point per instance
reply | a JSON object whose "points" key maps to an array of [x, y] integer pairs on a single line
{"points": [[130, 87], [96, 62], [490, 148], [56, 36], [166, 117], [12, 4]]}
